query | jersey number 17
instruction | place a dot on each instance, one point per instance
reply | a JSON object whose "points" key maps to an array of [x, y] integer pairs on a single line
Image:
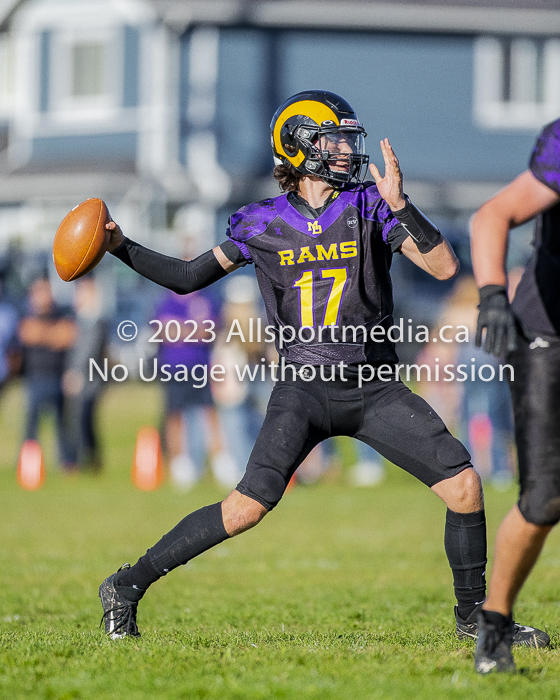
{"points": [[306, 288]]}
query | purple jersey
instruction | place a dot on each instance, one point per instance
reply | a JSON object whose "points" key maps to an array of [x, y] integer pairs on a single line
{"points": [[195, 308], [328, 276], [536, 299]]}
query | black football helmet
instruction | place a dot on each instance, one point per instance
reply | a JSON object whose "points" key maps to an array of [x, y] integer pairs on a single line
{"points": [[318, 133]]}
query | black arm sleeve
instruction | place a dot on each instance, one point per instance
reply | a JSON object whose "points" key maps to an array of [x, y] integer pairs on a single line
{"points": [[232, 253], [181, 276], [425, 234], [396, 237]]}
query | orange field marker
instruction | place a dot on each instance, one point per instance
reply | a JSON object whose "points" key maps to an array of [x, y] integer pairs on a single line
{"points": [[147, 467], [292, 482], [31, 466]]}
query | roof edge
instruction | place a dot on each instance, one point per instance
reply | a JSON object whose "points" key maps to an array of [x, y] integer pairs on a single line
{"points": [[384, 16]]}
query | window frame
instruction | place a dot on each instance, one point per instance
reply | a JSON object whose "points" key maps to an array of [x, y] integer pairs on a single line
{"points": [[491, 110], [7, 74], [63, 104]]}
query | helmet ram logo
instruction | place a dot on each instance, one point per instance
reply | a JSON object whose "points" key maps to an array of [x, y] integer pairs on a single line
{"points": [[315, 111], [318, 133]]}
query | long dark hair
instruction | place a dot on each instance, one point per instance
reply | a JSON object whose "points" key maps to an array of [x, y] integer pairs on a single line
{"points": [[287, 177]]}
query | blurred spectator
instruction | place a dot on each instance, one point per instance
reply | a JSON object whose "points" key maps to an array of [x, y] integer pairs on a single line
{"points": [[17, 270], [81, 394], [486, 424], [8, 328], [46, 333], [242, 403], [192, 429], [478, 411], [486, 414], [366, 468]]}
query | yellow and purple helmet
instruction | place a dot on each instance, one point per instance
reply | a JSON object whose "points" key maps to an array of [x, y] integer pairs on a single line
{"points": [[318, 133]]}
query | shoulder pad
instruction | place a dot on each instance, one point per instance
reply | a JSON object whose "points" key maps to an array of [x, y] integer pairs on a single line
{"points": [[545, 158], [252, 219]]}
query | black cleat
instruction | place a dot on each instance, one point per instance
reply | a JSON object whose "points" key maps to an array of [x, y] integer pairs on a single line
{"points": [[522, 635], [493, 644], [119, 607]]}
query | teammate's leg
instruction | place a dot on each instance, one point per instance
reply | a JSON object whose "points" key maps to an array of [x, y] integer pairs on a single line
{"points": [[521, 536], [518, 546], [536, 402], [35, 401]]}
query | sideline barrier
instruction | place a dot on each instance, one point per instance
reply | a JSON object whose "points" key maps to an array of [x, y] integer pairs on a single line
{"points": [[147, 466], [31, 466]]}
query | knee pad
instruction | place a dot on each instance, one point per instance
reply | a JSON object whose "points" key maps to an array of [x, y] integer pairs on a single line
{"points": [[268, 483], [539, 502]]}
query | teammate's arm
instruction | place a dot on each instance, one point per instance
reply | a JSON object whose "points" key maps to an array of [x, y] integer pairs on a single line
{"points": [[522, 200], [181, 276]]}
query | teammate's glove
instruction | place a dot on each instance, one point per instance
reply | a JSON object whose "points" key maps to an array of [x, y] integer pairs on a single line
{"points": [[497, 317]]}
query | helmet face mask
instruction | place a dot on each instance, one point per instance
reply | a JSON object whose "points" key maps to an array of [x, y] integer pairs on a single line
{"points": [[319, 134]]}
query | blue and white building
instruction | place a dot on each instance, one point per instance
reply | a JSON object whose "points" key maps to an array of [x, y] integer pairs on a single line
{"points": [[161, 107]]}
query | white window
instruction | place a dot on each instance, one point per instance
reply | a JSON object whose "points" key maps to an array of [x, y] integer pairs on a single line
{"points": [[88, 68], [6, 75], [516, 82], [85, 76]]}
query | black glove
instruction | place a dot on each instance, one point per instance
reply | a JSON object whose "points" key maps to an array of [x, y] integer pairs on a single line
{"points": [[497, 317]]}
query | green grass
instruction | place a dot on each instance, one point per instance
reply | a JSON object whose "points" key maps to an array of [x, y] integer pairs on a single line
{"points": [[339, 593]]}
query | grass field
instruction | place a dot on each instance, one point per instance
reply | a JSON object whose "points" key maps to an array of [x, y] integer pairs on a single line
{"points": [[340, 593]]}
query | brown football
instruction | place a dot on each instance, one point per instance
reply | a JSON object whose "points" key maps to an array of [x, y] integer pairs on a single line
{"points": [[81, 240]]}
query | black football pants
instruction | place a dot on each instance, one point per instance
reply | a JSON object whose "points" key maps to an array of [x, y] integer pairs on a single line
{"points": [[386, 415]]}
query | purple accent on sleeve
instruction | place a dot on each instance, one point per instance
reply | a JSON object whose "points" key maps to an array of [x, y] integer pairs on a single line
{"points": [[545, 158], [373, 207], [389, 226], [250, 221], [242, 247], [253, 219]]}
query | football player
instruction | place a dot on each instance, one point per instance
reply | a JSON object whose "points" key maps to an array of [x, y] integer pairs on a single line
{"points": [[529, 330], [322, 252]]}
